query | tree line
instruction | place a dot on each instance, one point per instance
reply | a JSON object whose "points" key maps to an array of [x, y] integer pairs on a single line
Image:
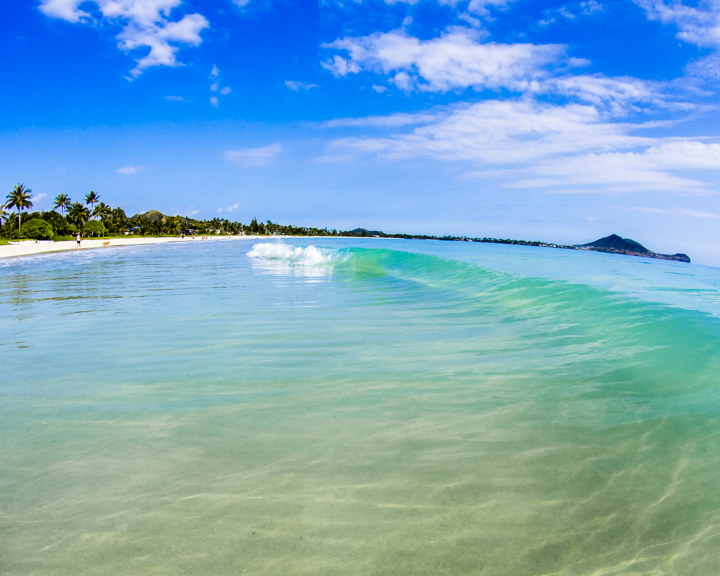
{"points": [[95, 218]]}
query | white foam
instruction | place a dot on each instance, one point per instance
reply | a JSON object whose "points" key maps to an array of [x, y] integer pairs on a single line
{"points": [[297, 255]]}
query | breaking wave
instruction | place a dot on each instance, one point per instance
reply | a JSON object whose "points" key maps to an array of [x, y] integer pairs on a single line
{"points": [[297, 255]]}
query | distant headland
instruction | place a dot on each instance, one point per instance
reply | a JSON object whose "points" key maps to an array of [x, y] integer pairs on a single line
{"points": [[614, 244]]}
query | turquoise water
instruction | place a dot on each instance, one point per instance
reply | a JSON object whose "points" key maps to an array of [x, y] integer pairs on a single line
{"points": [[358, 407]]}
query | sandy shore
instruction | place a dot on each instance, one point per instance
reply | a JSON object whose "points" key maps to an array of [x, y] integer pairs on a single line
{"points": [[31, 248]]}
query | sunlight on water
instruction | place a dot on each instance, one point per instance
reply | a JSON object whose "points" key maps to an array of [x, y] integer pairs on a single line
{"points": [[355, 408]]}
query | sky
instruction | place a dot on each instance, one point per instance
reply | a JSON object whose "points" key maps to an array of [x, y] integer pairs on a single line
{"points": [[538, 120]]}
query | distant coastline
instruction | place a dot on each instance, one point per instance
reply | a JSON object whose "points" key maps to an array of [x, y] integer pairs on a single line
{"points": [[104, 222]]}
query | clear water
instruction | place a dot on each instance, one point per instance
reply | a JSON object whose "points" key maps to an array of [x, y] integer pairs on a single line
{"points": [[358, 407]]}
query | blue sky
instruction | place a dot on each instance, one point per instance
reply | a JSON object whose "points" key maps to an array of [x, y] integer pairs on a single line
{"points": [[558, 121]]}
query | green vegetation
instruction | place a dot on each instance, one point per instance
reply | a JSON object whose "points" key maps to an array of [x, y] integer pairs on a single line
{"points": [[103, 220], [37, 229], [63, 202], [94, 228], [19, 198]]}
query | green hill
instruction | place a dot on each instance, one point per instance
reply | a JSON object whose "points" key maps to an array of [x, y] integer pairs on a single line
{"points": [[157, 216]]}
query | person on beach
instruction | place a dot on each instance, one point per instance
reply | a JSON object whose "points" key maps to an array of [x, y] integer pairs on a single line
{"points": [[77, 237]]}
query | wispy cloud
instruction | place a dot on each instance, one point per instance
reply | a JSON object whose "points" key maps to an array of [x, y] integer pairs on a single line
{"points": [[391, 120], [233, 207], [253, 156], [175, 98], [145, 24], [130, 170], [502, 132], [557, 148], [39, 197], [697, 24], [461, 58], [678, 211], [215, 87], [297, 86]]}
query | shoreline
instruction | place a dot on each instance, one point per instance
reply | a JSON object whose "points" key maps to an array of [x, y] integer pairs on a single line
{"points": [[40, 247]]}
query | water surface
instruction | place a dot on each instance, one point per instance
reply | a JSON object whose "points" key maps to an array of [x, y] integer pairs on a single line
{"points": [[358, 407]]}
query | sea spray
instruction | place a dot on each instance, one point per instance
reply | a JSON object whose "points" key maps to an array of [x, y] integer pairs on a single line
{"points": [[296, 255]]}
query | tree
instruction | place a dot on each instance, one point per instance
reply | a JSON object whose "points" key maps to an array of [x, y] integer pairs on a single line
{"points": [[63, 202], [92, 198], [94, 228], [38, 229], [102, 210], [59, 224], [116, 221], [19, 198], [78, 214]]}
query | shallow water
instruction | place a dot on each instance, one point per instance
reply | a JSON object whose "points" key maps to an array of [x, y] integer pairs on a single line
{"points": [[359, 407]]}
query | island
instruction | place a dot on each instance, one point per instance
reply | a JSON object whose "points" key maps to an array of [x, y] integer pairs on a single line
{"points": [[614, 244]]}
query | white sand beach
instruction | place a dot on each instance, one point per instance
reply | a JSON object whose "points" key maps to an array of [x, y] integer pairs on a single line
{"points": [[31, 248]]}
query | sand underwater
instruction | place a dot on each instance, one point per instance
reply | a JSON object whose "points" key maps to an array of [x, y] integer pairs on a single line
{"points": [[358, 407]]}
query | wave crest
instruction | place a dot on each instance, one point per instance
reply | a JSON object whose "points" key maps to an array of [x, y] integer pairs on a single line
{"points": [[307, 256]]}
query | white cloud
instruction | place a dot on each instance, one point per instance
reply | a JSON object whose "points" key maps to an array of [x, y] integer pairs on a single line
{"points": [[175, 98], [379, 89], [296, 86], [225, 91], [477, 7], [214, 87], [130, 170], [454, 60], [699, 25], [146, 24], [193, 212], [561, 148], [680, 211], [695, 213], [649, 169], [650, 210], [214, 101], [611, 172], [480, 7], [504, 132], [459, 59], [591, 7], [39, 197], [214, 72], [253, 156], [392, 120], [233, 207], [64, 9]]}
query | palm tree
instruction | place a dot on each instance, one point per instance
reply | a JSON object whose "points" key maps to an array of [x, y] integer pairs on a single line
{"points": [[63, 202], [3, 213], [78, 214], [102, 210], [92, 199], [19, 198]]}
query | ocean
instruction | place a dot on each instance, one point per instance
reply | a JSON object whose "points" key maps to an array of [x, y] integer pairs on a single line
{"points": [[358, 406]]}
